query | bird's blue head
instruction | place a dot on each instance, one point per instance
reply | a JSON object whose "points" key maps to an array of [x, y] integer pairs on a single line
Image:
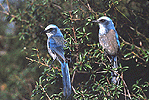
{"points": [[51, 30], [105, 21]]}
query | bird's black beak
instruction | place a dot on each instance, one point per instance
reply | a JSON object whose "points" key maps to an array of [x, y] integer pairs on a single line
{"points": [[43, 32]]}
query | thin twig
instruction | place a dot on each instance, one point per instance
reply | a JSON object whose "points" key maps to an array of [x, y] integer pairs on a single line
{"points": [[73, 76], [37, 61], [45, 92], [137, 56], [8, 6], [130, 44], [74, 90], [139, 33], [125, 92], [89, 7], [125, 85], [3, 7]]}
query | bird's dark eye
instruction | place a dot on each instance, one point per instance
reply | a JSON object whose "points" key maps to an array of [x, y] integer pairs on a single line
{"points": [[102, 20], [50, 30]]}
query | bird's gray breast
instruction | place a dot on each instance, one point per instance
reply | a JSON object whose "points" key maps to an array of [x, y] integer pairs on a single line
{"points": [[108, 42]]}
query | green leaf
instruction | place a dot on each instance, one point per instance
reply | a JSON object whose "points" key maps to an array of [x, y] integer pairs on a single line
{"points": [[84, 29], [11, 19], [127, 54], [41, 97], [88, 66]]}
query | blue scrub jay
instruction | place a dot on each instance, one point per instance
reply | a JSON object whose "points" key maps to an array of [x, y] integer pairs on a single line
{"points": [[108, 39], [55, 44]]}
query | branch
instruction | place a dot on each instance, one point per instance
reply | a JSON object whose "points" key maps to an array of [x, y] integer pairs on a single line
{"points": [[45, 92], [131, 44], [139, 33]]}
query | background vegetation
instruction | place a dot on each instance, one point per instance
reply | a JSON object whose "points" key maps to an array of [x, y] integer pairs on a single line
{"points": [[24, 59]]}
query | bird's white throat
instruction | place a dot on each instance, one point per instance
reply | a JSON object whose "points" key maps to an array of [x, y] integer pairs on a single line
{"points": [[102, 30]]}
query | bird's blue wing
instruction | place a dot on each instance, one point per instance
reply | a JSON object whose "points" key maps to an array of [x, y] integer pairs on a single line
{"points": [[118, 42], [56, 45]]}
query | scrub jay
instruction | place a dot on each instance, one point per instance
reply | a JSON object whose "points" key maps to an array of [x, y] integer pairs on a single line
{"points": [[55, 44], [108, 39]]}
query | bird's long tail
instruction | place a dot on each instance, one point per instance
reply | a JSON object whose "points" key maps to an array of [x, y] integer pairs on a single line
{"points": [[66, 79], [115, 78]]}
